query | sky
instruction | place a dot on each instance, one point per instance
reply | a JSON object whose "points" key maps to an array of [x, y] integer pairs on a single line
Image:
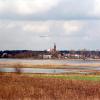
{"points": [[38, 24]]}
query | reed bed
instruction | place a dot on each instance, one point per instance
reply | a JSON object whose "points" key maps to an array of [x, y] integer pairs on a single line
{"points": [[18, 87]]}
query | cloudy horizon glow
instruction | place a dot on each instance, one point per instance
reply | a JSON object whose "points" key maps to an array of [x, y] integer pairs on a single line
{"points": [[38, 24]]}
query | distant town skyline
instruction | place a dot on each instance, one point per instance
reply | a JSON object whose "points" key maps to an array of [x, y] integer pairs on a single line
{"points": [[38, 24]]}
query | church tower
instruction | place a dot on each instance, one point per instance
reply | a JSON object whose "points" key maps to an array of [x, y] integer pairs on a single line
{"points": [[54, 47]]}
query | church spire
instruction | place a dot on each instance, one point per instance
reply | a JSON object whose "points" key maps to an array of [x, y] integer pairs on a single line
{"points": [[54, 47]]}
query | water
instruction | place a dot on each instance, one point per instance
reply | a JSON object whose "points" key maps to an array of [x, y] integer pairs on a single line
{"points": [[68, 69], [51, 61], [35, 70], [48, 71]]}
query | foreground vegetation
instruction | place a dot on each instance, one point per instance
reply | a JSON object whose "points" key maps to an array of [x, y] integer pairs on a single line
{"points": [[56, 87]]}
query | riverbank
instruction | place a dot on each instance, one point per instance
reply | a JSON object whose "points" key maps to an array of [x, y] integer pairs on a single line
{"points": [[65, 76], [48, 63], [30, 65]]}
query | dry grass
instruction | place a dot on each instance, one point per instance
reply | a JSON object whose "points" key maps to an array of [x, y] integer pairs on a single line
{"points": [[17, 87], [30, 65]]}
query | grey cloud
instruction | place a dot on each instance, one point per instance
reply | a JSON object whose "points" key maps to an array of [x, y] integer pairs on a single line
{"points": [[12, 35], [65, 10]]}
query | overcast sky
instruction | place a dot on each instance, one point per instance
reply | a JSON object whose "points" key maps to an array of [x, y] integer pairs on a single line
{"points": [[38, 24]]}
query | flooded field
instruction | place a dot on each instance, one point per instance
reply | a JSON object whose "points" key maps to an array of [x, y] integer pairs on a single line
{"points": [[49, 66], [65, 61], [35, 70], [82, 70]]}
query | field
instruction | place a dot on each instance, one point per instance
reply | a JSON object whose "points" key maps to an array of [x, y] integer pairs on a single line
{"points": [[48, 87], [87, 77]]}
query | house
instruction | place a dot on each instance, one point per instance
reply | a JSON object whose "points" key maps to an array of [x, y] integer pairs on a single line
{"points": [[47, 56]]}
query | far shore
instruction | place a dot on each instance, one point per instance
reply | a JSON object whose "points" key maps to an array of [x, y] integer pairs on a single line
{"points": [[76, 59]]}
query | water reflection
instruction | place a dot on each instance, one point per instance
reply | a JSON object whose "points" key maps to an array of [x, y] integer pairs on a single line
{"points": [[39, 70]]}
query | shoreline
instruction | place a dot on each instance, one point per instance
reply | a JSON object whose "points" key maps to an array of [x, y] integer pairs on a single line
{"points": [[65, 76], [88, 59]]}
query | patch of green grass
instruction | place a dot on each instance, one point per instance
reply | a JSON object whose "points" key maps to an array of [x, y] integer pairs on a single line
{"points": [[71, 77]]}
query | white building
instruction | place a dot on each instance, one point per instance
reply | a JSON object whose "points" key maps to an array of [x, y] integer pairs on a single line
{"points": [[47, 56]]}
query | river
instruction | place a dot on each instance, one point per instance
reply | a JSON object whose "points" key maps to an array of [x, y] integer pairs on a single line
{"points": [[65, 61]]}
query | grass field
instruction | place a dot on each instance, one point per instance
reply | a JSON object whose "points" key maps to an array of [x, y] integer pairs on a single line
{"points": [[68, 77], [48, 87]]}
